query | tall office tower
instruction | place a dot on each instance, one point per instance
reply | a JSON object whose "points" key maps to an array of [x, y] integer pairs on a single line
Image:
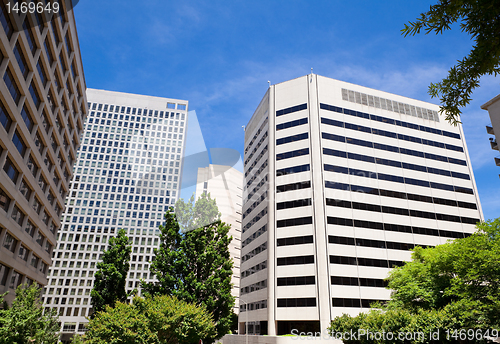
{"points": [[127, 173], [42, 110], [225, 185], [340, 181], [493, 107]]}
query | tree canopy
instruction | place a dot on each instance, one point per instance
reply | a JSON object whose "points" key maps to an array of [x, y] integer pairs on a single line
{"points": [[478, 18], [110, 278], [194, 264], [448, 287], [25, 321], [162, 319]]}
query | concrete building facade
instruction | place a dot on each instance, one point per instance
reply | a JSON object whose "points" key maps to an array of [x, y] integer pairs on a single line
{"points": [[42, 110], [493, 108], [127, 174], [340, 182], [225, 185]]}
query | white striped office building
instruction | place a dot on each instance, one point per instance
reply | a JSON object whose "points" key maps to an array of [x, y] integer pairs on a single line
{"points": [[340, 182]]}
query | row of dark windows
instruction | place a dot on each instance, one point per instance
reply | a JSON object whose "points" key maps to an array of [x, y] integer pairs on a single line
{"points": [[294, 204], [256, 147], [377, 263], [394, 149], [394, 227], [388, 121], [256, 161], [296, 260], [292, 138], [298, 302], [254, 236], [291, 124], [254, 220], [291, 109], [299, 221], [390, 134], [291, 170], [292, 154], [372, 243], [296, 280], [253, 287], [400, 211], [256, 188], [397, 179], [358, 281], [398, 194], [256, 175], [393, 163], [254, 252], [254, 269], [256, 135], [255, 204], [354, 303], [293, 186], [299, 240]]}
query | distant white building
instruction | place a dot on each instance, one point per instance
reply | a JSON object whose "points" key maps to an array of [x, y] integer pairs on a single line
{"points": [[225, 185], [340, 182], [493, 107]]}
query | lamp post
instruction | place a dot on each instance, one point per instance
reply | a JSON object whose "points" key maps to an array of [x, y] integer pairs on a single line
{"points": [[246, 322]]}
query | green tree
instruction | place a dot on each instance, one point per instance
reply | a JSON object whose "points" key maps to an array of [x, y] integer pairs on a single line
{"points": [[25, 321], [447, 287], [162, 319], [110, 278], [194, 264], [479, 18]]}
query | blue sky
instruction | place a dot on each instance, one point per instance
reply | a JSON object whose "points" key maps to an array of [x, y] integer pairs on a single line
{"points": [[219, 55]]}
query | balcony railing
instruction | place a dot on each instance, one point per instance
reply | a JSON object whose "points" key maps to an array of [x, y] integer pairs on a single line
{"points": [[489, 130]]}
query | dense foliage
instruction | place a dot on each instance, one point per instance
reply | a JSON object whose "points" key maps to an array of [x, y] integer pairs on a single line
{"points": [[162, 319], [455, 286], [194, 264], [478, 18], [110, 278], [25, 321]]}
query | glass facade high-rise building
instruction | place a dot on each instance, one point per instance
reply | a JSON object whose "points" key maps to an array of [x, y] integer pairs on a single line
{"points": [[127, 173], [42, 110]]}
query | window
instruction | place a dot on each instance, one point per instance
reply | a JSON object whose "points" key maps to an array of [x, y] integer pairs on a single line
{"points": [[35, 96], [4, 200], [12, 86], [298, 302], [30, 228], [29, 36], [27, 118], [297, 260], [41, 73], [11, 170], [4, 117], [5, 20], [291, 109], [18, 142], [296, 280], [21, 61], [23, 253], [17, 215], [9, 242], [25, 189], [34, 261]]}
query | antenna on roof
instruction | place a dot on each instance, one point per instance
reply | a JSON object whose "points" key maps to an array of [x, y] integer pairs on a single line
{"points": [[269, 83], [243, 127], [311, 70]]}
